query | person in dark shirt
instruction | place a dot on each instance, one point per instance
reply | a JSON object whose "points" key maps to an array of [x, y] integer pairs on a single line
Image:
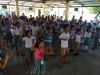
{"points": [[97, 36]]}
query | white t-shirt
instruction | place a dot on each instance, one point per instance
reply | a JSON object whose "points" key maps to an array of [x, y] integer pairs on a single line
{"points": [[94, 29], [34, 29], [61, 30], [28, 27], [17, 31], [64, 43], [87, 34], [28, 41], [71, 34], [21, 22], [78, 38]]}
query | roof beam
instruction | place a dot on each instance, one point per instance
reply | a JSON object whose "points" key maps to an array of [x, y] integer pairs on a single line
{"points": [[44, 1], [78, 2], [97, 1], [10, 1], [85, 6], [31, 1], [23, 3]]}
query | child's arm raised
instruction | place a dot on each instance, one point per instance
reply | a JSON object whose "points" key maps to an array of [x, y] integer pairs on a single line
{"points": [[21, 36], [58, 33], [33, 45], [3, 45], [8, 55]]}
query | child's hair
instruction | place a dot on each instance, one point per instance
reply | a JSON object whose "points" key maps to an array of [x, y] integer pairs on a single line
{"points": [[61, 25], [27, 32], [94, 23], [65, 26], [72, 27], [48, 27], [6, 19], [77, 23], [41, 22], [17, 23], [78, 30], [88, 28], [27, 20], [97, 29], [23, 18], [81, 25], [89, 23], [34, 22], [38, 42]]}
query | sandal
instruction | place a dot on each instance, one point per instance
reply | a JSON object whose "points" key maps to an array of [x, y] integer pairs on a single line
{"points": [[60, 65], [65, 62], [52, 55]]}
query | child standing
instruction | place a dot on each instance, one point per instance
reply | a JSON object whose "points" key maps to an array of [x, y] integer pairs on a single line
{"points": [[64, 37], [48, 37], [7, 32], [96, 40], [71, 40], [1, 27], [87, 37], [39, 67], [34, 28], [77, 42], [28, 43], [28, 26], [17, 42], [2, 45]]}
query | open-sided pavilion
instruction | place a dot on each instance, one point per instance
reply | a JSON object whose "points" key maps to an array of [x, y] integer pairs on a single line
{"points": [[51, 3]]}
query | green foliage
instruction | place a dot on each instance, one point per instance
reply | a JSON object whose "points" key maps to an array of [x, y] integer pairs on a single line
{"points": [[94, 10]]}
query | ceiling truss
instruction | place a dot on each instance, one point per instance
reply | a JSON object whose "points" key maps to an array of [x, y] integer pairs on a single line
{"points": [[53, 3]]}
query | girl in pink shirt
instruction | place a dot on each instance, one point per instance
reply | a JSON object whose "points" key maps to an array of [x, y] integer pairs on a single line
{"points": [[39, 67]]}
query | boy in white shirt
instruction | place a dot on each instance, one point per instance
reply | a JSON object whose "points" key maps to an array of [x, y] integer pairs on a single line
{"points": [[64, 37], [28, 43], [77, 42]]}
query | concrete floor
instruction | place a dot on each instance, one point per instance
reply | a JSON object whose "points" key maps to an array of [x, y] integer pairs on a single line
{"points": [[84, 64]]}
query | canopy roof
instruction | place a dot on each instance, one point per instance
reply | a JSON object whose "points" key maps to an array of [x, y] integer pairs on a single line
{"points": [[53, 3]]}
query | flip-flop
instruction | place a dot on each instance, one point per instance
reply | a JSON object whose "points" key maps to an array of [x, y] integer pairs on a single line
{"points": [[65, 62], [52, 55], [60, 65]]}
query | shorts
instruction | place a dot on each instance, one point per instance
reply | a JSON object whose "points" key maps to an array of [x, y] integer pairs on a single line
{"points": [[64, 50], [48, 49]]}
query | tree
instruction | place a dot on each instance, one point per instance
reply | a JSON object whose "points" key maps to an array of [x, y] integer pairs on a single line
{"points": [[94, 10]]}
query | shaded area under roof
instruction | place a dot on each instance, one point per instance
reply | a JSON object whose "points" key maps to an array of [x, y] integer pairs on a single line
{"points": [[53, 3]]}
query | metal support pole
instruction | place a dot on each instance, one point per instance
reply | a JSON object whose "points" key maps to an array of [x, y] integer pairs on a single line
{"points": [[17, 9], [67, 10], [44, 10]]}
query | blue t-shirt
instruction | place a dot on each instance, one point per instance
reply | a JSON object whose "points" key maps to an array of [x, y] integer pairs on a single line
{"points": [[48, 39], [97, 35]]}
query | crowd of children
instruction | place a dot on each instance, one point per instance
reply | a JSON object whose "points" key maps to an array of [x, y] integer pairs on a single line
{"points": [[36, 36]]}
